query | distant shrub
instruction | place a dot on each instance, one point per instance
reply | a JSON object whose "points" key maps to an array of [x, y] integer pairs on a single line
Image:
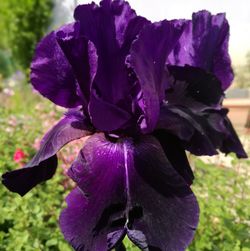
{"points": [[22, 24], [5, 64]]}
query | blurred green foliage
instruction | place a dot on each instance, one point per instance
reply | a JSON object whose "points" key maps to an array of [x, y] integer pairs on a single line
{"points": [[224, 199], [5, 64], [28, 223], [31, 223], [22, 24]]}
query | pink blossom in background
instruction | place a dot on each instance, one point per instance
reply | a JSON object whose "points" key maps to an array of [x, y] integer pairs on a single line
{"points": [[19, 156]]}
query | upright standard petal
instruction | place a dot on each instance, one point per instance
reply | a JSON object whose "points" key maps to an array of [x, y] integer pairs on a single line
{"points": [[43, 165], [108, 27], [148, 55], [133, 29], [204, 44], [105, 26], [128, 187], [51, 73], [81, 54]]}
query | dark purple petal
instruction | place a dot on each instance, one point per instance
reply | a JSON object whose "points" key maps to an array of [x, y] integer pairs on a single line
{"points": [[175, 124], [113, 179], [204, 44], [96, 209], [22, 180], [115, 238], [123, 15], [138, 238], [106, 116], [223, 134], [105, 27], [201, 133], [169, 210], [133, 29], [198, 141], [218, 128], [176, 155], [81, 54], [51, 73], [194, 88], [148, 56], [43, 165]]}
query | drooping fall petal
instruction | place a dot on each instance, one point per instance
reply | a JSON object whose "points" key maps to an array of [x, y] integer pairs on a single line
{"points": [[201, 133], [128, 187], [43, 165], [96, 208]]}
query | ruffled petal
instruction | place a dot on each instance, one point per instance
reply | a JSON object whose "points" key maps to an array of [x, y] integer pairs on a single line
{"points": [[43, 165], [51, 73], [105, 26], [113, 179], [148, 55], [133, 29], [81, 54], [204, 44], [123, 15]]}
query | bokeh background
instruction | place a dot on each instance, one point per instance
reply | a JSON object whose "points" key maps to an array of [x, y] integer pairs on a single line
{"points": [[222, 182]]}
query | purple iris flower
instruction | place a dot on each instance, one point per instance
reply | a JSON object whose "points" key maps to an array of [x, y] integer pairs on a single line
{"points": [[143, 93]]}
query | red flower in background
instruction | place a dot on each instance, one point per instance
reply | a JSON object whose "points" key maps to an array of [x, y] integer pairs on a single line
{"points": [[18, 156]]}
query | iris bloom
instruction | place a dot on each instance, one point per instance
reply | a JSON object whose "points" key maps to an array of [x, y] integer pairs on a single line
{"points": [[143, 93]]}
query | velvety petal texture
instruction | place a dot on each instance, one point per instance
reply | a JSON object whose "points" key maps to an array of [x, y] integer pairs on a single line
{"points": [[133, 173], [43, 165], [204, 44]]}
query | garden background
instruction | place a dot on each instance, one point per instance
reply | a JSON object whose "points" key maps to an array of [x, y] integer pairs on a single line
{"points": [[222, 183]]}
